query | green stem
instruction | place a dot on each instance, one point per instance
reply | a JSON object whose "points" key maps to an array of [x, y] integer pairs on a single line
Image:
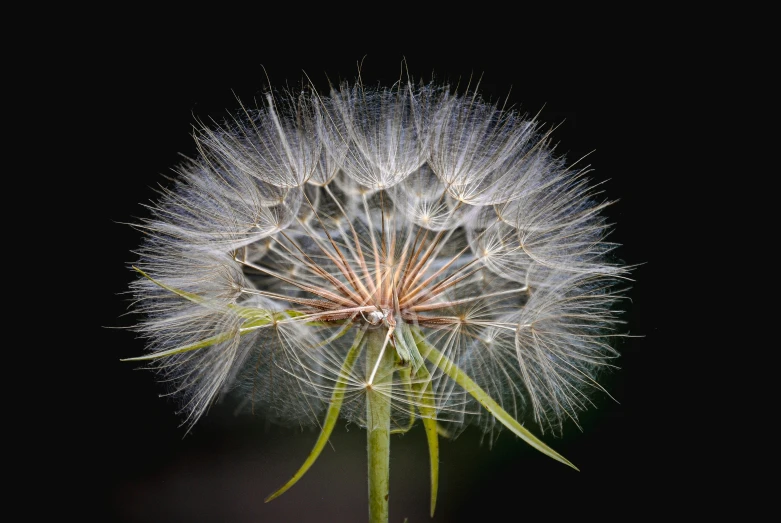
{"points": [[379, 374]]}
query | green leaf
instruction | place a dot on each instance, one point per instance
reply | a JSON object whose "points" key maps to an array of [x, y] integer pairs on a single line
{"points": [[405, 375], [185, 348], [254, 319], [460, 377], [428, 413], [249, 313], [330, 418], [403, 336]]}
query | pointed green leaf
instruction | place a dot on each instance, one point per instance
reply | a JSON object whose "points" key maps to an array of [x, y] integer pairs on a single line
{"points": [[428, 413], [211, 340], [460, 377], [403, 333], [249, 313], [255, 319], [330, 418], [405, 377]]}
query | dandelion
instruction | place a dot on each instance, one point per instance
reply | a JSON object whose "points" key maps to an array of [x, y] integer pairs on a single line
{"points": [[380, 255]]}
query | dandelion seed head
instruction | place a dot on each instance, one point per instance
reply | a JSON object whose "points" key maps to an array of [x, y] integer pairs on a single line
{"points": [[310, 217]]}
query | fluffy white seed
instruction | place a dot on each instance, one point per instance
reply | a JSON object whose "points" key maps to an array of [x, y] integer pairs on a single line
{"points": [[311, 218]]}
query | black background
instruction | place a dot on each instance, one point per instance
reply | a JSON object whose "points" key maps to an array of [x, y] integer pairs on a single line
{"points": [[138, 113]]}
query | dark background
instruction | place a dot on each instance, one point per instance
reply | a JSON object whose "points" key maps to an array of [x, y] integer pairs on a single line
{"points": [[144, 467]]}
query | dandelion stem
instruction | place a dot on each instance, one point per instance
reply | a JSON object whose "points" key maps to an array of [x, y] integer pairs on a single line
{"points": [[378, 414]]}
